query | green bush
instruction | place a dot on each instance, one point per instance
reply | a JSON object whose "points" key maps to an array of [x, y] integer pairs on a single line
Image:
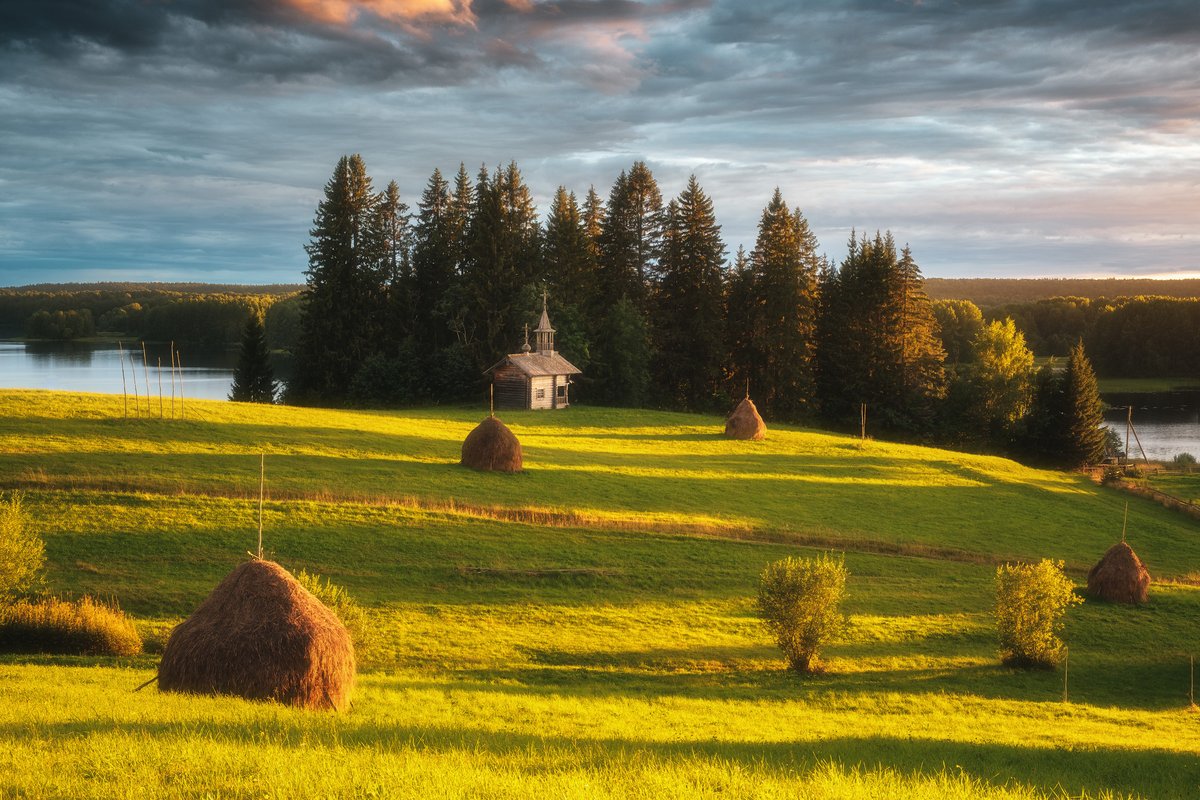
{"points": [[1184, 461], [799, 601], [339, 601], [82, 627], [22, 553], [1031, 603]]}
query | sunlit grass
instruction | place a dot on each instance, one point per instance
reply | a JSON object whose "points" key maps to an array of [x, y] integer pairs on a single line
{"points": [[586, 629]]}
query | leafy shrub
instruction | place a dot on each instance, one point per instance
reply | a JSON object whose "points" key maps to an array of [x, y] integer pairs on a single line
{"points": [[1031, 602], [346, 607], [22, 553], [1184, 460], [798, 600], [82, 627]]}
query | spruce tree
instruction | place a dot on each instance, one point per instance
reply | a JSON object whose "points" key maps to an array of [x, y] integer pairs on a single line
{"points": [[784, 302], [631, 238], [569, 257], [741, 356], [340, 315], [689, 329], [433, 263], [253, 379], [1084, 442]]}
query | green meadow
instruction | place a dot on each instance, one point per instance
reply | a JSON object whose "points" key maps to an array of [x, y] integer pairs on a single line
{"points": [[586, 628]]}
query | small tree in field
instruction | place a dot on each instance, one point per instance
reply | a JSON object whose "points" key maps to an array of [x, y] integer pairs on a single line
{"points": [[253, 380], [1031, 602], [799, 600], [22, 553]]}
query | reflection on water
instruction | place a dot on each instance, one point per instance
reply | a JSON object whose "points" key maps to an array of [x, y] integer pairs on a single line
{"points": [[1166, 423], [80, 367]]}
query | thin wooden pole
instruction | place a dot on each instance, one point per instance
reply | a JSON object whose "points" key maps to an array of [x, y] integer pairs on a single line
{"points": [[491, 399], [1192, 681], [179, 360], [1125, 521], [262, 482], [172, 379], [124, 391], [1137, 438], [137, 400], [146, 377], [160, 397], [862, 410], [1128, 426]]}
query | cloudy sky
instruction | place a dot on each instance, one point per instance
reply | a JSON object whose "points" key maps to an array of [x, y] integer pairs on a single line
{"points": [[190, 140]]}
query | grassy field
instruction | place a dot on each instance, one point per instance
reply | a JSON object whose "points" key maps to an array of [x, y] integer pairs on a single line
{"points": [[1141, 385], [586, 629]]}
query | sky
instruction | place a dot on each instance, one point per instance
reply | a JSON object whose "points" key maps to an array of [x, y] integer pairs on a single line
{"points": [[169, 140]]}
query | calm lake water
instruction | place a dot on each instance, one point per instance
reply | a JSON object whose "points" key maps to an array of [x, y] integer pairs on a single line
{"points": [[75, 367], [1167, 423]]}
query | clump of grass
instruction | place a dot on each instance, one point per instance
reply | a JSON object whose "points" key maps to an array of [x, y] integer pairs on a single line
{"points": [[80, 627], [340, 602]]}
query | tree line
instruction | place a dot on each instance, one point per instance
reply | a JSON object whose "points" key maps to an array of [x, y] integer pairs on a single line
{"points": [[411, 305]]}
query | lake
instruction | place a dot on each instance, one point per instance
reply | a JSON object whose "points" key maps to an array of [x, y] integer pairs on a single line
{"points": [[1167, 423], [96, 367]]}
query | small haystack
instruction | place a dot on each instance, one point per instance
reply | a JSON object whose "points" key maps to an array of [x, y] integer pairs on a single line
{"points": [[492, 447], [745, 423], [1119, 576], [262, 636]]}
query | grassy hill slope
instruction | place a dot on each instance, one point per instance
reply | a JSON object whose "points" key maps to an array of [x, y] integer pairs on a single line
{"points": [[587, 628]]}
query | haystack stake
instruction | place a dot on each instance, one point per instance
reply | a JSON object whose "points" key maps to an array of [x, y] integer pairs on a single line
{"points": [[172, 379], [491, 399], [137, 400], [1191, 681], [179, 360], [1126, 521], [862, 412], [160, 400], [124, 391], [262, 481], [146, 377]]}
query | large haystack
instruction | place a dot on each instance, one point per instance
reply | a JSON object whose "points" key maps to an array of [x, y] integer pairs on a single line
{"points": [[1119, 576], [745, 423], [492, 447], [262, 636]]}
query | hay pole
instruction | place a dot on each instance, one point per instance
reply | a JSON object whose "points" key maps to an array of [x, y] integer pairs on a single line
{"points": [[144, 685], [137, 401], [146, 377], [1191, 681], [1125, 522], [262, 481], [862, 411], [124, 391], [160, 398], [491, 399], [179, 359], [172, 379]]}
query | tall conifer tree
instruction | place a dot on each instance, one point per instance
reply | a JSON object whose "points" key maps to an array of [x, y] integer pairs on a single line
{"points": [[784, 303], [689, 325], [254, 379], [433, 264], [340, 317]]}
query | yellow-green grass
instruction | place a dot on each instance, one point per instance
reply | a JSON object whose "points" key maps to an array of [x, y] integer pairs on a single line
{"points": [[1183, 485], [614, 652], [601, 467]]}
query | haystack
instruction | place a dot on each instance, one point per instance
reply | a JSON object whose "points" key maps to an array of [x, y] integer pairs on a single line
{"points": [[745, 423], [1119, 576], [492, 447], [262, 636]]}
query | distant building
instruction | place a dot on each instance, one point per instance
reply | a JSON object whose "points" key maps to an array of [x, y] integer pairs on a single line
{"points": [[534, 379]]}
